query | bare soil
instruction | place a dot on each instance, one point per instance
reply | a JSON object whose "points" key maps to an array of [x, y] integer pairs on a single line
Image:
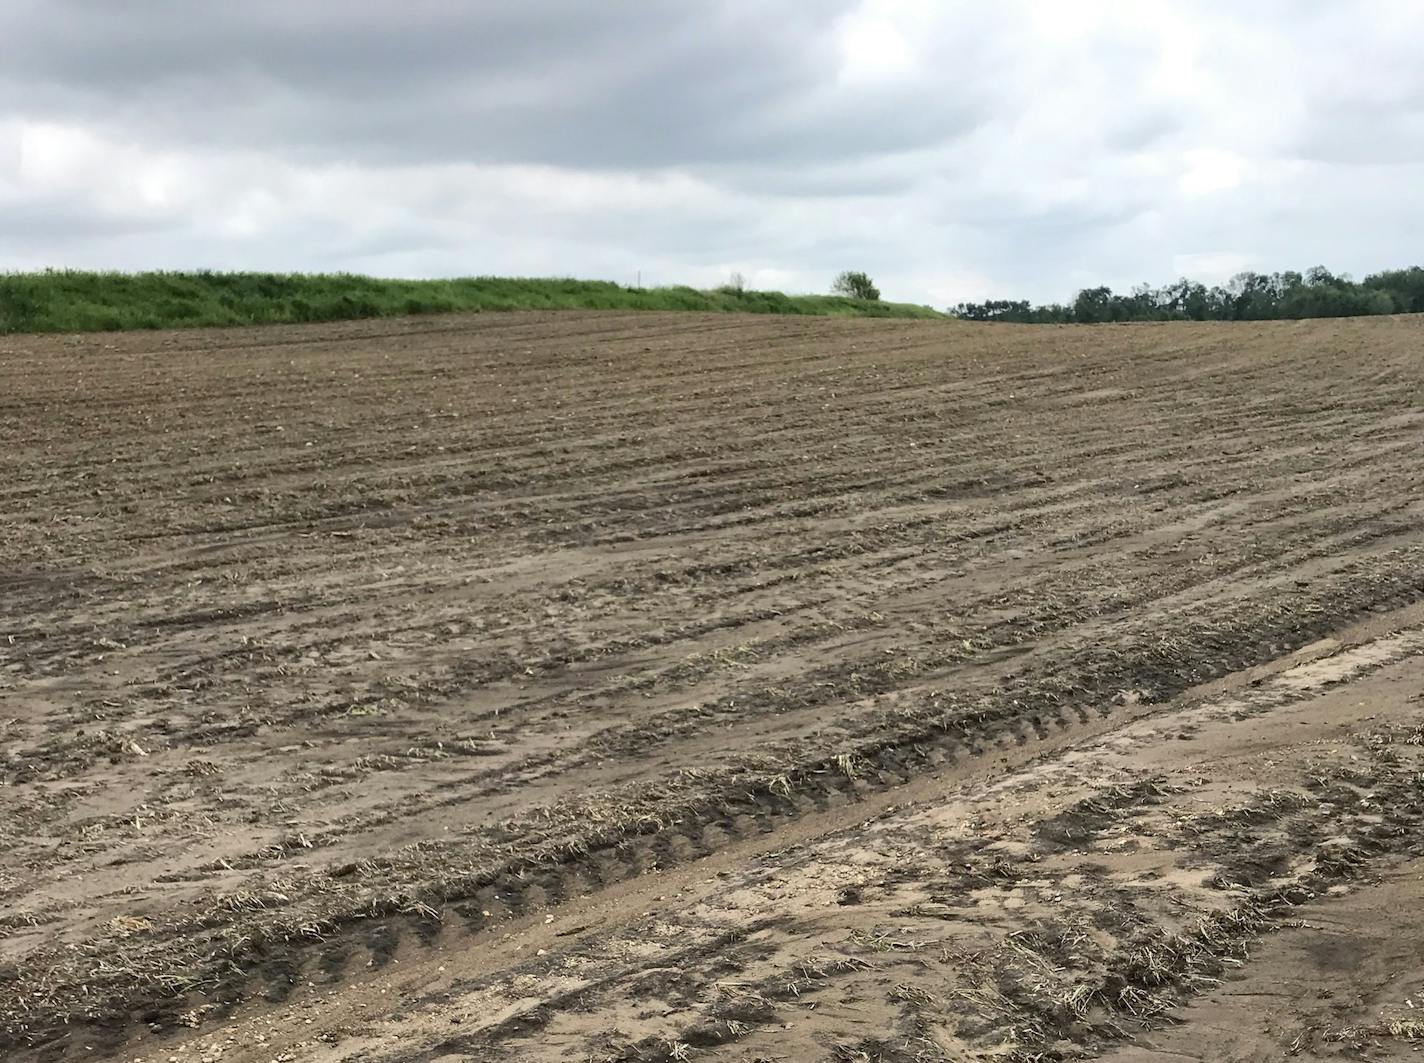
{"points": [[660, 687]]}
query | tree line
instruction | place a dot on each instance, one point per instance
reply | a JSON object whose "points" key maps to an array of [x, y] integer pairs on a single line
{"points": [[1247, 296]]}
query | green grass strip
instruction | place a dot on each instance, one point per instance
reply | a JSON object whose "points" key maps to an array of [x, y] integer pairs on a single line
{"points": [[80, 301]]}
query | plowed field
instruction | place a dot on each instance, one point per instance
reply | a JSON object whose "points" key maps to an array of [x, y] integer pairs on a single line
{"points": [[606, 687]]}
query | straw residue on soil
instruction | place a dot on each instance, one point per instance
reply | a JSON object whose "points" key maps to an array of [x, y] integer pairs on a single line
{"points": [[326, 649]]}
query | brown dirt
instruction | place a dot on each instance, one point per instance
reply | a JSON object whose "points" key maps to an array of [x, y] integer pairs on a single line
{"points": [[600, 686]]}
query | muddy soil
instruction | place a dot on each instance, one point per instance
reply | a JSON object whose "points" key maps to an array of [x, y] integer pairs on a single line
{"points": [[657, 687]]}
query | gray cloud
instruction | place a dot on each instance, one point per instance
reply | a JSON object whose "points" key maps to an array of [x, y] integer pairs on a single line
{"points": [[953, 150], [562, 82], [66, 222]]}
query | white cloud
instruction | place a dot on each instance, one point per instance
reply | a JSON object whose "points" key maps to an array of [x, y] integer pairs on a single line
{"points": [[1208, 170], [1211, 267], [878, 41]]}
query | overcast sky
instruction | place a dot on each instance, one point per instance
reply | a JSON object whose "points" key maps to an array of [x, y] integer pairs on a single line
{"points": [[952, 150]]}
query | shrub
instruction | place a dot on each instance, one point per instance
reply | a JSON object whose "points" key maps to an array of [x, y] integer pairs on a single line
{"points": [[856, 285]]}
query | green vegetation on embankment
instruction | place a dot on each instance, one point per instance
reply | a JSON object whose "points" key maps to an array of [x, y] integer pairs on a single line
{"points": [[77, 301]]}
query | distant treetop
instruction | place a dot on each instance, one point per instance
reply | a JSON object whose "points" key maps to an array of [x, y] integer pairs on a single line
{"points": [[1246, 297]]}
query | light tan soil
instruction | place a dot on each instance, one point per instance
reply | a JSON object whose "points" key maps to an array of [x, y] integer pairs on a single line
{"points": [[592, 686], [1052, 910]]}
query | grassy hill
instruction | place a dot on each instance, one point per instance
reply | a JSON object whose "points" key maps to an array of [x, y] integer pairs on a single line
{"points": [[76, 301]]}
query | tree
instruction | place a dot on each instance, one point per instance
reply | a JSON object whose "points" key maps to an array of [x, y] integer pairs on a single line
{"points": [[1405, 286], [1188, 299], [1254, 296], [856, 285], [1248, 296], [1093, 305]]}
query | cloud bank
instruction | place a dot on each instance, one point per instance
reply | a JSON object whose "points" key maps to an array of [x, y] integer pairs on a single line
{"points": [[954, 151]]}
